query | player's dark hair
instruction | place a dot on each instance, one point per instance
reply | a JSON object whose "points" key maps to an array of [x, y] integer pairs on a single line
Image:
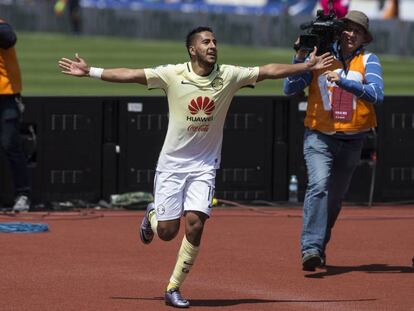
{"points": [[190, 37]]}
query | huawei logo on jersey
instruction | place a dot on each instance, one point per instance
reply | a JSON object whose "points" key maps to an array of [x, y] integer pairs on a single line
{"points": [[204, 104]]}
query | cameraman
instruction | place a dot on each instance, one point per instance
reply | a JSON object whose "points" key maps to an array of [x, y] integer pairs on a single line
{"points": [[339, 115]]}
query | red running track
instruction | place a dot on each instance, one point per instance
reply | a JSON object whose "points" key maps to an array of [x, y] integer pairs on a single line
{"points": [[249, 260]]}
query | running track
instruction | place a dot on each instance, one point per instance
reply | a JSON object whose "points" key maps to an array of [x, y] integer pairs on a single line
{"points": [[249, 260]]}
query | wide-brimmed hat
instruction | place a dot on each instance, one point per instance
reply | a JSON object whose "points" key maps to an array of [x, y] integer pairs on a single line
{"points": [[361, 19]]}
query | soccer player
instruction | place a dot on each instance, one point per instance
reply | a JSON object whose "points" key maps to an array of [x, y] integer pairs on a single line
{"points": [[199, 94]]}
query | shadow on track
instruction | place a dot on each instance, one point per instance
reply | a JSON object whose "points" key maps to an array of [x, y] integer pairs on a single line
{"points": [[372, 268], [235, 302]]}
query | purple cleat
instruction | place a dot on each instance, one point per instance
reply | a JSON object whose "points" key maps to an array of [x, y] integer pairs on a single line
{"points": [[173, 298], [145, 231]]}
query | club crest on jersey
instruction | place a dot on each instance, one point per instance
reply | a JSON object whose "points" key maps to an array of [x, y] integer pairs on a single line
{"points": [[201, 104], [217, 84]]}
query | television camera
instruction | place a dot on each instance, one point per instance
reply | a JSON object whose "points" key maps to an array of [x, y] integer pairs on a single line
{"points": [[321, 32]]}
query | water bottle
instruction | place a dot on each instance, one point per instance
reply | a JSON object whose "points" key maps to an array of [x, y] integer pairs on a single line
{"points": [[293, 189]]}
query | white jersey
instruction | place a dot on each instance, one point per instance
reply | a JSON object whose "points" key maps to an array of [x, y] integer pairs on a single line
{"points": [[197, 110]]}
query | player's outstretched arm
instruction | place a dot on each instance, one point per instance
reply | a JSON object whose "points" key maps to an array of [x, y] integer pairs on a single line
{"points": [[79, 68], [278, 71]]}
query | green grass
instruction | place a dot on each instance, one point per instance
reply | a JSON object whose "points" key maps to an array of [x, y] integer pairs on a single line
{"points": [[39, 52]]}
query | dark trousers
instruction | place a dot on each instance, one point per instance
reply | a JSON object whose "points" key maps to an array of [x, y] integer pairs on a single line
{"points": [[11, 142]]}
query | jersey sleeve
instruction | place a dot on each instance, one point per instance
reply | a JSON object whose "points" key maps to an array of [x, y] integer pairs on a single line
{"points": [[159, 77], [245, 76]]}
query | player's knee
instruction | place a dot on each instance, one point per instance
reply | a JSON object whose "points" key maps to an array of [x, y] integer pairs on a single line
{"points": [[194, 231], [167, 232], [195, 221], [166, 235], [195, 227]]}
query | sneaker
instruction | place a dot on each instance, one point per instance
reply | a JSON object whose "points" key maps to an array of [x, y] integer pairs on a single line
{"points": [[173, 298], [311, 261], [22, 204], [145, 231]]}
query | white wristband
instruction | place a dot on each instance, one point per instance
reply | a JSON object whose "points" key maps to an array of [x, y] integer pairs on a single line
{"points": [[95, 72]]}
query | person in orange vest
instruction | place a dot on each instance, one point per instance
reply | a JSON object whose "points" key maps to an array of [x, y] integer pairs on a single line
{"points": [[340, 113], [11, 109]]}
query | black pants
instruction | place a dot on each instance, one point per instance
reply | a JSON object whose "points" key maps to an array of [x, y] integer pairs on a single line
{"points": [[11, 142]]}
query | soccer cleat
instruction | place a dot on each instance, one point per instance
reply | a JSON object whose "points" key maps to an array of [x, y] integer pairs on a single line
{"points": [[145, 231], [173, 298], [310, 261], [22, 204]]}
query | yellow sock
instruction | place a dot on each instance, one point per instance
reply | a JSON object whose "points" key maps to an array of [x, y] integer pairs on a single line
{"points": [[185, 260], [153, 221]]}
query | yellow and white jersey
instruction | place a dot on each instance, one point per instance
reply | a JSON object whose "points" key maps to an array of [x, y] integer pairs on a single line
{"points": [[197, 110]]}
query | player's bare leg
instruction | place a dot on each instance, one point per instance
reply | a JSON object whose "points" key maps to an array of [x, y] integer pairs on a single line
{"points": [[166, 230]]}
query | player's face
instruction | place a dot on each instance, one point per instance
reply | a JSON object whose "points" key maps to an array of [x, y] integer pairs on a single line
{"points": [[205, 48], [352, 37]]}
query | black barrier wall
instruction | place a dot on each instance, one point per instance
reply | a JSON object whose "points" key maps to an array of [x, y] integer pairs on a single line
{"points": [[141, 135], [88, 148], [396, 149], [246, 172], [67, 162]]}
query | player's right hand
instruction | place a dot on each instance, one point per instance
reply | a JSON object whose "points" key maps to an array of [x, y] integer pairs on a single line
{"points": [[319, 62], [77, 67]]}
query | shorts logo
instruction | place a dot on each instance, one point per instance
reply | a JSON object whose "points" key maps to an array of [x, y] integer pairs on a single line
{"points": [[160, 210], [201, 104], [217, 84]]}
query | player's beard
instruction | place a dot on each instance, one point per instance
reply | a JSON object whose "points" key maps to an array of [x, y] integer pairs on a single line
{"points": [[207, 61]]}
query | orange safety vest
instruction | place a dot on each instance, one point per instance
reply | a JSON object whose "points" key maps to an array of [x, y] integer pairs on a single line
{"points": [[10, 79], [319, 114]]}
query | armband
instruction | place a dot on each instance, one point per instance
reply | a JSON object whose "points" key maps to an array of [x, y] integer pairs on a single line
{"points": [[95, 72]]}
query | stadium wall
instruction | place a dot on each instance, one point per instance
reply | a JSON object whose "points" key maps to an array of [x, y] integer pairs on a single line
{"points": [[87, 148], [256, 30]]}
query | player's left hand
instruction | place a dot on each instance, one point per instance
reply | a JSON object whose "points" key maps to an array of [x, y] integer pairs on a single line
{"points": [[319, 62]]}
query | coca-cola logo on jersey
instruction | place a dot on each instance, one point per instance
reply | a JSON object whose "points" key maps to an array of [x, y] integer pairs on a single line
{"points": [[201, 109], [198, 128]]}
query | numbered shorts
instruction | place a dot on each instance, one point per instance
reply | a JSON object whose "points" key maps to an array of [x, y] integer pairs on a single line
{"points": [[176, 193]]}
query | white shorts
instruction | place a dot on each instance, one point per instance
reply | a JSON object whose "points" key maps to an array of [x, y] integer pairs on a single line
{"points": [[176, 193]]}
